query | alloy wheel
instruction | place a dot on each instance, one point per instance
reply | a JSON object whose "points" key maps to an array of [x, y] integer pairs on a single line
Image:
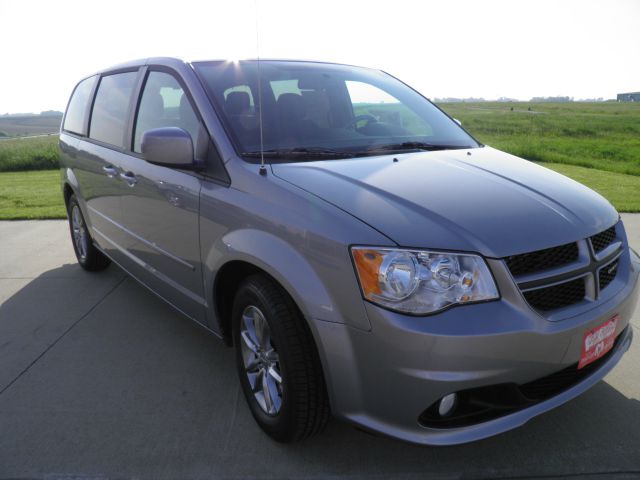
{"points": [[261, 360], [80, 238]]}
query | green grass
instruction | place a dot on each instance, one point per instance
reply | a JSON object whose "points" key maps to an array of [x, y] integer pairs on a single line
{"points": [[623, 191], [31, 195], [597, 144], [605, 136], [18, 200], [38, 153]]}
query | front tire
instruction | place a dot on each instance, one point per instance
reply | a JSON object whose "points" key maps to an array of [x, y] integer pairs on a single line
{"points": [[278, 364], [89, 257]]}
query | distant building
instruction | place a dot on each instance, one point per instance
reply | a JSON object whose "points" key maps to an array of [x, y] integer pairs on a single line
{"points": [[629, 97]]}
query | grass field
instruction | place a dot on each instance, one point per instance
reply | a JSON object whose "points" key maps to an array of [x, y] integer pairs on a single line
{"points": [[597, 144], [623, 191], [11, 126], [37, 153], [605, 136], [30, 195]]}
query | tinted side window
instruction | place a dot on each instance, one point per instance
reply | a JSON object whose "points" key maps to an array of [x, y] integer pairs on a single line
{"points": [[164, 104], [74, 119], [111, 108]]}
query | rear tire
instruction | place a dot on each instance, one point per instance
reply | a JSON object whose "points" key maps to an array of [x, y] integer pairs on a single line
{"points": [[89, 257], [273, 341]]}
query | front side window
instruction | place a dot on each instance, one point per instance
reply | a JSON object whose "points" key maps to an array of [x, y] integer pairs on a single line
{"points": [[324, 108], [75, 118], [164, 104], [111, 108]]}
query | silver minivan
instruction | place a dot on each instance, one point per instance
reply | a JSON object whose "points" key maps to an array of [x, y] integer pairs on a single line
{"points": [[366, 257]]}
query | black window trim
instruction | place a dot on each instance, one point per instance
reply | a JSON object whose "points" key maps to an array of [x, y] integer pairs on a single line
{"points": [[219, 110], [136, 96], [133, 108], [122, 148]]}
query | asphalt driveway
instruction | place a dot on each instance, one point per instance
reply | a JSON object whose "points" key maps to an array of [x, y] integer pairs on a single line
{"points": [[99, 379]]}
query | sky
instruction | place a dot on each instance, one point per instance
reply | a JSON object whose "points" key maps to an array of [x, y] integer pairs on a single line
{"points": [[446, 48]]}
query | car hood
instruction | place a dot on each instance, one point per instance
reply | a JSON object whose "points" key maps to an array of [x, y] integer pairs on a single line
{"points": [[481, 200]]}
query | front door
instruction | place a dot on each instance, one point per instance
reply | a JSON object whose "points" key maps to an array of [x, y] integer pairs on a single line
{"points": [[161, 205]]}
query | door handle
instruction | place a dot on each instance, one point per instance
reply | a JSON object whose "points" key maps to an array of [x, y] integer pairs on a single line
{"points": [[129, 177], [110, 170]]}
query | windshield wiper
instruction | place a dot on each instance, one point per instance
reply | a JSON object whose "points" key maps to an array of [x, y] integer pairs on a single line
{"points": [[299, 153], [417, 146]]}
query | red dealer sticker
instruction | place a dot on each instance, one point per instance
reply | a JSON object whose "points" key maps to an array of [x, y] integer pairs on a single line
{"points": [[598, 341]]}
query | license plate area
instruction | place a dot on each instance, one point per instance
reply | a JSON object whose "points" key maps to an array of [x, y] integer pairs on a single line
{"points": [[597, 341]]}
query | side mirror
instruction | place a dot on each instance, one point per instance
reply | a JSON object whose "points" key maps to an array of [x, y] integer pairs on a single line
{"points": [[457, 121], [169, 146]]}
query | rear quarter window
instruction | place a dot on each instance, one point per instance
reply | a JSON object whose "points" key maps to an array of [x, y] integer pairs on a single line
{"points": [[111, 108], [76, 115]]}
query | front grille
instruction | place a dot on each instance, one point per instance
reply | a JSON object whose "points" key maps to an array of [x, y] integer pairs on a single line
{"points": [[556, 296], [542, 259], [549, 288], [607, 274], [602, 240], [551, 385]]}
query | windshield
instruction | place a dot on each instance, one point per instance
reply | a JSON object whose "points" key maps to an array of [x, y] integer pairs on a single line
{"points": [[320, 110]]}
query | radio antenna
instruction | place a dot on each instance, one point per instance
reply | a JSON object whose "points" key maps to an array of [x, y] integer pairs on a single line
{"points": [[263, 169]]}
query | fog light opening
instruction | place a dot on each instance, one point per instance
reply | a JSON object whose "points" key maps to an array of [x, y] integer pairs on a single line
{"points": [[447, 404]]}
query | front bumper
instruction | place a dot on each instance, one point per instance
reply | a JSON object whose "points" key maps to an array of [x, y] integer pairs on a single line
{"points": [[384, 379]]}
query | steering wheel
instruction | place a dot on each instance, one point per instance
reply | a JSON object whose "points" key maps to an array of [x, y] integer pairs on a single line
{"points": [[359, 118]]}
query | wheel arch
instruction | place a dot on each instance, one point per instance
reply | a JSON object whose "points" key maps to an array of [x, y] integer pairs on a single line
{"points": [[248, 251], [67, 191], [225, 285], [70, 185], [229, 278]]}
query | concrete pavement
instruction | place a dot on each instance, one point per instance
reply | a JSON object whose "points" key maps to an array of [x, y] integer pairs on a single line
{"points": [[99, 379]]}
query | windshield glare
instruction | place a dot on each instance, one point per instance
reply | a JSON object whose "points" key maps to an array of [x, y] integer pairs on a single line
{"points": [[315, 106]]}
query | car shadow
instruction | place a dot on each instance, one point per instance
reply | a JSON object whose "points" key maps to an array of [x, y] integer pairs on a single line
{"points": [[100, 377]]}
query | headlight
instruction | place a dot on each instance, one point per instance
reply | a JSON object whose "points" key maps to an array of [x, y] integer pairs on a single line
{"points": [[421, 282]]}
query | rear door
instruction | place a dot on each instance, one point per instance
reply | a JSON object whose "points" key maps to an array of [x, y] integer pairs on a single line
{"points": [[161, 204], [99, 159]]}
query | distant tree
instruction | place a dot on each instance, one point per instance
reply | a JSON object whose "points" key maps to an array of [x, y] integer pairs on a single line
{"points": [[552, 99], [458, 100]]}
